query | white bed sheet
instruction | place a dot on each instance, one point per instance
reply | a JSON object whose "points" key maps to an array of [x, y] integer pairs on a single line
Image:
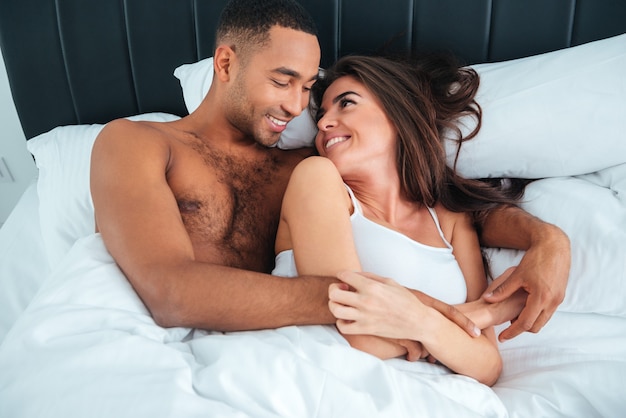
{"points": [[86, 338], [574, 367], [23, 264]]}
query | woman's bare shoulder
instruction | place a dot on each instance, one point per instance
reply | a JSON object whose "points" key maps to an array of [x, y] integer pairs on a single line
{"points": [[453, 221], [316, 178], [316, 167]]}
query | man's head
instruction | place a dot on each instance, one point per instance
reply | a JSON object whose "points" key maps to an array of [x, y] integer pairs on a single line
{"points": [[267, 55], [244, 25]]}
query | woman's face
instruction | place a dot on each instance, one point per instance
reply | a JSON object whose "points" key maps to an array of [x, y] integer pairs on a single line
{"points": [[354, 131]]}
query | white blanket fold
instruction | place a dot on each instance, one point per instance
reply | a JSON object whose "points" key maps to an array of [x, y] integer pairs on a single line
{"points": [[87, 347]]}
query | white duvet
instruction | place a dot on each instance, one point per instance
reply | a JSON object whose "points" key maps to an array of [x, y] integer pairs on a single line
{"points": [[87, 347]]}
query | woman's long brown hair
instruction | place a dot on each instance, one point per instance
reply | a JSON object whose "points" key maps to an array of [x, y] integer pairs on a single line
{"points": [[424, 99]]}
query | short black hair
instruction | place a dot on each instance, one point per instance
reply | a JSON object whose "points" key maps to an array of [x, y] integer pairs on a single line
{"points": [[248, 22]]}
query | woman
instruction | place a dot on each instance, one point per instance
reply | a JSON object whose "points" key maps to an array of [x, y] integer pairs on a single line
{"points": [[380, 198]]}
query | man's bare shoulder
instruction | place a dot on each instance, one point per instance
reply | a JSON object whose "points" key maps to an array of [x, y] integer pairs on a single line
{"points": [[134, 140], [120, 130]]}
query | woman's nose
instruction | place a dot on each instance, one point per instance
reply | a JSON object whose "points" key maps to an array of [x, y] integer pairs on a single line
{"points": [[326, 122]]}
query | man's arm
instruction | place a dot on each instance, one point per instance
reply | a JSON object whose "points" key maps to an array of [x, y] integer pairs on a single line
{"points": [[141, 225], [542, 272]]}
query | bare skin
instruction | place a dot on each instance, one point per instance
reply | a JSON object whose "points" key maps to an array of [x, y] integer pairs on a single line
{"points": [[542, 273]]}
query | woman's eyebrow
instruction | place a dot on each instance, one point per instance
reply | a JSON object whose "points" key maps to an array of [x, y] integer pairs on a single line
{"points": [[344, 94]]}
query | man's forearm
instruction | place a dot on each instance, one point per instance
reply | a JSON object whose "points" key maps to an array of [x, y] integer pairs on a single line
{"points": [[512, 227], [227, 299]]}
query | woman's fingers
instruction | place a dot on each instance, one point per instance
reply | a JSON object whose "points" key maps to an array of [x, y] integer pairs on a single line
{"points": [[338, 294], [373, 306], [450, 312], [343, 312]]}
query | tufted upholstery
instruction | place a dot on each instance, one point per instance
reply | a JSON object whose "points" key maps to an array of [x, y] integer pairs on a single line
{"points": [[90, 61]]}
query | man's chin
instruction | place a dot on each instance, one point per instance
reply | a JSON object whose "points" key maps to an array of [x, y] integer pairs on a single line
{"points": [[268, 141]]}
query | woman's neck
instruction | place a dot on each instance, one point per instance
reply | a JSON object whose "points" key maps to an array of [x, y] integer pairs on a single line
{"points": [[382, 198]]}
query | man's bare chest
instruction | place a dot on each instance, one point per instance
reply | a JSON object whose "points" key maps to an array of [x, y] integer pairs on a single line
{"points": [[230, 207]]}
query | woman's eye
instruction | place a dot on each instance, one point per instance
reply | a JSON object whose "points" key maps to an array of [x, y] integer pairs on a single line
{"points": [[345, 102]]}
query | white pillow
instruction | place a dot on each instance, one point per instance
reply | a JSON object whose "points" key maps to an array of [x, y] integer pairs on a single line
{"points": [[195, 80], [591, 210], [556, 114], [63, 156]]}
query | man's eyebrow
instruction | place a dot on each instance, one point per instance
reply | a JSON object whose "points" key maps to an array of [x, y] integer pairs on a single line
{"points": [[293, 73]]}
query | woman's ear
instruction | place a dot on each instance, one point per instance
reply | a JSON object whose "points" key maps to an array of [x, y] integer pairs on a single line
{"points": [[223, 61]]}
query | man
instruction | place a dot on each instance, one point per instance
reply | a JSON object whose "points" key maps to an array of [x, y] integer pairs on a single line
{"points": [[189, 208]]}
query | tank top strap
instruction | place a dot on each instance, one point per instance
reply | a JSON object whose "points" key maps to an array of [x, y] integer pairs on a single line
{"points": [[355, 202], [436, 219]]}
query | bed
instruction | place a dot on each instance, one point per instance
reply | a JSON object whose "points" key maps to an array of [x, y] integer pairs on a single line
{"points": [[76, 341]]}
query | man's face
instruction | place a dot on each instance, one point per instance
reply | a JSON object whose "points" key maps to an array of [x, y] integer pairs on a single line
{"points": [[274, 85]]}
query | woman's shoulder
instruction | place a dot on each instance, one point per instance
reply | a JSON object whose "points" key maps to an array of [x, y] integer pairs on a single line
{"points": [[316, 178], [450, 221], [316, 162], [316, 168]]}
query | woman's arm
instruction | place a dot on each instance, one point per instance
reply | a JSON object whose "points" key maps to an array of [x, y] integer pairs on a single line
{"points": [[485, 314], [476, 357], [382, 307], [315, 220], [542, 273], [315, 223]]}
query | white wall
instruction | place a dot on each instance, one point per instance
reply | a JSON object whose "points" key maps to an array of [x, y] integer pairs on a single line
{"points": [[13, 149]]}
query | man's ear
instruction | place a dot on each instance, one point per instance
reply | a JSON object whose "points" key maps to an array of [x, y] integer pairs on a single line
{"points": [[223, 62]]}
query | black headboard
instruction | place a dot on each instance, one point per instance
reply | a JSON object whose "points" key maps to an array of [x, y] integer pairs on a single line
{"points": [[90, 61]]}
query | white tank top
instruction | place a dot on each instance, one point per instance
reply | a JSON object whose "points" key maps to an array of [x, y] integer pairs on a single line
{"points": [[389, 253]]}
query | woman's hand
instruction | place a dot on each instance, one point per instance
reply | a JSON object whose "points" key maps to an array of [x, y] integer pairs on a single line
{"points": [[369, 304], [372, 305]]}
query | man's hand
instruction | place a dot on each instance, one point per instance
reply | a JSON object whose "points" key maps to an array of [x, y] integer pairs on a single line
{"points": [[543, 274]]}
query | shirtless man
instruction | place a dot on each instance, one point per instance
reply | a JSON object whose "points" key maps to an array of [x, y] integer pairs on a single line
{"points": [[189, 208]]}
